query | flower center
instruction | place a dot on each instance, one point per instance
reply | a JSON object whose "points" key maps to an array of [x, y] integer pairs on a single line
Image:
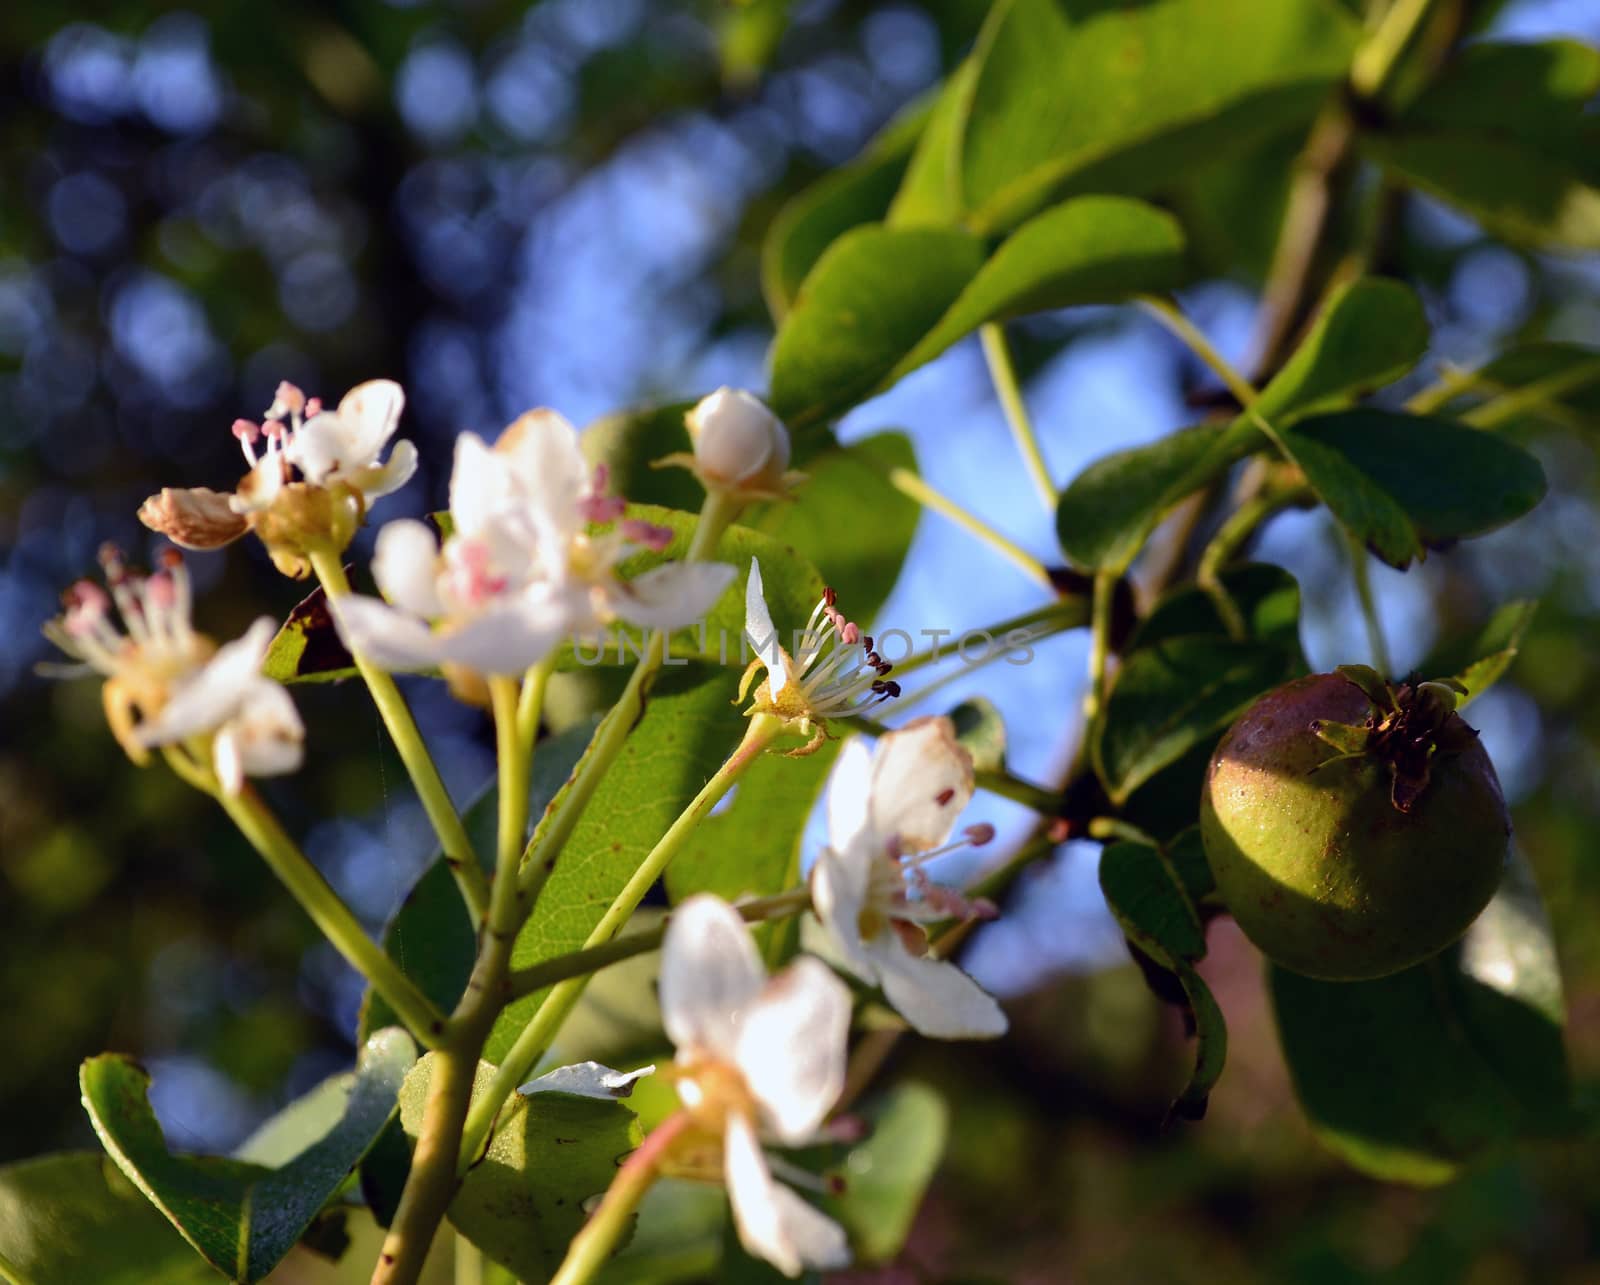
{"points": [[836, 670], [712, 1090]]}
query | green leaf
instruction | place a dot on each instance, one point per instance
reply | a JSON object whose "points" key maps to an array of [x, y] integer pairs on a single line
{"points": [[859, 192], [1267, 596], [929, 195], [523, 1202], [73, 1219], [1188, 856], [884, 301], [306, 648], [1504, 133], [1407, 483], [887, 1173], [242, 1217], [1410, 1076], [1170, 697], [1075, 95], [1109, 510], [981, 731], [689, 726], [678, 1236], [867, 303], [1367, 334], [1518, 194], [1152, 906], [1485, 660], [1092, 249]]}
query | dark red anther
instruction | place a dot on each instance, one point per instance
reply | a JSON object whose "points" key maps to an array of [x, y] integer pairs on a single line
{"points": [[829, 596], [944, 796]]}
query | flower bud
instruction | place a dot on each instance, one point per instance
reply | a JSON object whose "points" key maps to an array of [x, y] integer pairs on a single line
{"points": [[739, 444]]}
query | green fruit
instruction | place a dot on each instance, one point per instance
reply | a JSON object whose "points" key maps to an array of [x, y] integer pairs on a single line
{"points": [[1353, 829]]}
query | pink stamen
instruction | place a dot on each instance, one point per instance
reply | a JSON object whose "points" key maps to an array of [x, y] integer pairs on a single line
{"points": [[288, 399], [470, 577], [313, 406], [653, 537], [159, 591], [246, 430], [602, 508], [979, 834]]}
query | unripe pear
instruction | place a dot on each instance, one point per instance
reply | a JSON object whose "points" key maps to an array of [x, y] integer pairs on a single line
{"points": [[1353, 829]]}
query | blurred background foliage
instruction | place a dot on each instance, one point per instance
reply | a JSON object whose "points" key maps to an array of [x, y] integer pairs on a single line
{"points": [[503, 205]]}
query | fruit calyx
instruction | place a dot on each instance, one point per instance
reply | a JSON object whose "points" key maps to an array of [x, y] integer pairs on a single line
{"points": [[1410, 725]]}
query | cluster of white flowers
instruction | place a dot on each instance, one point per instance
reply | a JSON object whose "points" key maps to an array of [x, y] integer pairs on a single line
{"points": [[529, 558]]}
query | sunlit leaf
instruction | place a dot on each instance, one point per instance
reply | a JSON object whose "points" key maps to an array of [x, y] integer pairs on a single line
{"points": [[867, 303], [1077, 95], [859, 192], [524, 1201]]}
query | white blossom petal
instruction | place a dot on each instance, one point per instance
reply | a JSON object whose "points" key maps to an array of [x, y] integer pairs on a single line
{"points": [[380, 480], [212, 694], [762, 633], [773, 1222], [674, 595], [791, 1048], [267, 733], [849, 790], [506, 637], [389, 638], [935, 996], [405, 565], [369, 414], [480, 485], [587, 1080], [540, 448], [921, 780], [710, 974], [838, 895]]}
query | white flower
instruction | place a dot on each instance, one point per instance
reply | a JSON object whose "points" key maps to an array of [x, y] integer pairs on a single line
{"points": [[888, 814], [519, 571], [167, 684], [836, 674], [740, 447], [310, 483], [755, 1056]]}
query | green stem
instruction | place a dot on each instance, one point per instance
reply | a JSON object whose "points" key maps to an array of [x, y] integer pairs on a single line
{"points": [[1117, 828], [910, 484], [1362, 574], [1168, 314], [1508, 405], [1105, 588], [592, 1246], [1377, 58], [539, 858], [581, 963], [1003, 374], [530, 707], [1231, 536], [432, 1180], [413, 751], [306, 884], [535, 1038], [1070, 612]]}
